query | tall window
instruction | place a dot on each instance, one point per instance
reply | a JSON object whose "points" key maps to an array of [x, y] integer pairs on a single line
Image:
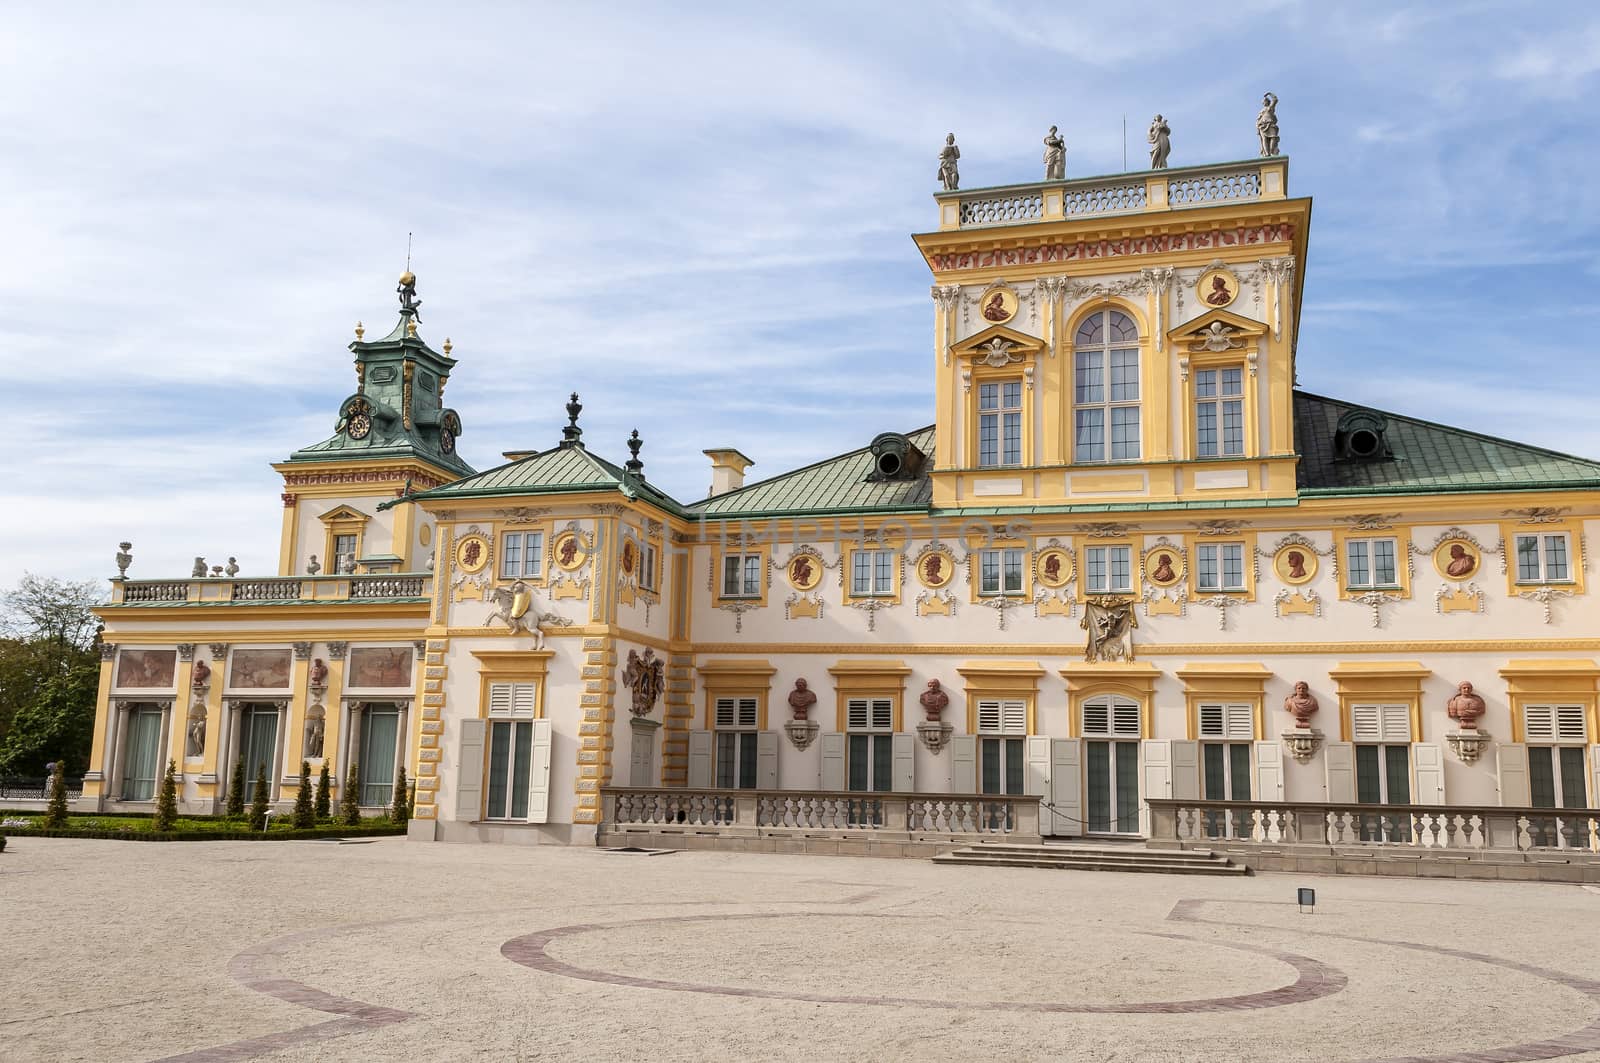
{"points": [[1000, 572], [1108, 569], [522, 555], [1000, 423], [1111, 731], [344, 553], [872, 573], [647, 566], [1371, 564], [1556, 735], [1002, 735], [1543, 558], [258, 741], [1106, 388], [1382, 736], [511, 713], [741, 576], [1219, 412], [869, 744], [734, 721], [142, 755], [1220, 566], [1226, 731], [380, 735]]}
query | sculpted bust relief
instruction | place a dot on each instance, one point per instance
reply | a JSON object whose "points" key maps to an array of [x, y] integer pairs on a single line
{"points": [[1301, 704], [1461, 562], [934, 701], [1466, 707], [801, 698]]}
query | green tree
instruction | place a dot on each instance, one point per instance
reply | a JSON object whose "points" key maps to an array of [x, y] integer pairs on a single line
{"points": [[305, 814], [324, 801], [258, 803], [55, 816], [47, 654], [167, 800], [235, 806], [400, 809], [350, 798]]}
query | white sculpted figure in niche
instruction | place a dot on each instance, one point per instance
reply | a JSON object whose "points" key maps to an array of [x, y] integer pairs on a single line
{"points": [[1110, 623], [314, 734], [196, 744]]}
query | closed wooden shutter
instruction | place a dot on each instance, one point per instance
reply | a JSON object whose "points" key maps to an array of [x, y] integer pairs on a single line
{"points": [[1036, 781], [1512, 768], [539, 785], [869, 714], [1554, 723], [766, 760], [1157, 767], [964, 764], [1380, 723], [1185, 769], [469, 770], [1269, 771], [1066, 788], [832, 745], [513, 699], [905, 762], [1339, 758], [1003, 716], [1427, 766], [736, 714], [1231, 721], [1111, 717], [700, 760]]}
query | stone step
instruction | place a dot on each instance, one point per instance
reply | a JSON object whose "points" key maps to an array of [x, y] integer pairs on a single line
{"points": [[1072, 859]]}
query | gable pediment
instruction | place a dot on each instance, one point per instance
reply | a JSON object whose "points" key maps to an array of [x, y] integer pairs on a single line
{"points": [[1217, 330], [344, 515], [997, 345]]}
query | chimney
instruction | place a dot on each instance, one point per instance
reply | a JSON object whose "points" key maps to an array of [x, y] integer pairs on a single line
{"points": [[727, 469]]}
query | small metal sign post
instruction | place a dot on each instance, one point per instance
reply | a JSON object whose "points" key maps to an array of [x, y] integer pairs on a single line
{"points": [[1307, 899]]}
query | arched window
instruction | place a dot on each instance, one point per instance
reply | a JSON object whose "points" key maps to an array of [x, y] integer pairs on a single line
{"points": [[1105, 402]]}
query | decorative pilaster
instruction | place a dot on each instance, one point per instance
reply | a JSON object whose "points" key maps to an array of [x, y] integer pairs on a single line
{"points": [[430, 727], [678, 717], [595, 741]]}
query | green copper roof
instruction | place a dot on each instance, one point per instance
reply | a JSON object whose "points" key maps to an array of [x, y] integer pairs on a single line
{"points": [[836, 485], [559, 470], [1428, 458]]}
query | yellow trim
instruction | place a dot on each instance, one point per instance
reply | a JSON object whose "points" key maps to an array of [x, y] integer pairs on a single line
{"points": [[733, 679], [1174, 649], [1553, 682], [720, 553], [1572, 527], [898, 564], [1001, 679], [975, 570], [512, 666], [1231, 681], [869, 678], [289, 538], [1135, 569], [1192, 543], [1379, 682], [1130, 679], [542, 528], [1401, 534]]}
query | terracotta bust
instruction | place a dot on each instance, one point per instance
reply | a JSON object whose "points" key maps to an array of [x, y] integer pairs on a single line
{"points": [[1301, 704], [1297, 565], [1461, 563], [801, 698], [202, 675], [1466, 707], [1163, 572], [934, 701], [1052, 566], [319, 673], [933, 569], [995, 308]]}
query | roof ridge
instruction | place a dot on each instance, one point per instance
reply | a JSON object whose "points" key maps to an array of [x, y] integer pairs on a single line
{"points": [[1454, 430], [800, 469]]}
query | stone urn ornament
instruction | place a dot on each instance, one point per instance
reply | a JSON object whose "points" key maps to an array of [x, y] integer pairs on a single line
{"points": [[124, 559]]}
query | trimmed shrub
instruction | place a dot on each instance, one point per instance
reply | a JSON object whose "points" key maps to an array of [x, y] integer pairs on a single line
{"points": [[55, 816], [258, 803], [400, 810], [350, 797], [167, 800], [235, 806], [305, 814], [324, 801]]}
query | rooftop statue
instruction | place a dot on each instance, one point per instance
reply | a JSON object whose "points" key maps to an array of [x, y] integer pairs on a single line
{"points": [[1160, 138], [949, 175], [1267, 124], [1055, 156], [407, 290]]}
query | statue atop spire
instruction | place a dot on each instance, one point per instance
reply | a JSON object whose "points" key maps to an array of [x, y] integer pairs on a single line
{"points": [[410, 305]]}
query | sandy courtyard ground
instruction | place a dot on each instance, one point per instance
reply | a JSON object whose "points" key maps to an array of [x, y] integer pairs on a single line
{"points": [[386, 949]]}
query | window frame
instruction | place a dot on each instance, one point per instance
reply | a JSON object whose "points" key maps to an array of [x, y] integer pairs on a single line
{"points": [[884, 558], [1200, 549], [1087, 565], [522, 536], [1218, 403], [751, 559], [1107, 405], [1542, 540], [1000, 413], [1367, 543], [1003, 568]]}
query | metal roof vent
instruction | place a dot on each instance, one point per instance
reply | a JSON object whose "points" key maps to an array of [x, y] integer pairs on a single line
{"points": [[1361, 436], [894, 457]]}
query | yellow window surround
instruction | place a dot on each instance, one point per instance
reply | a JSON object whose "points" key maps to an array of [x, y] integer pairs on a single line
{"points": [[1219, 339], [541, 528], [975, 569], [736, 679], [1130, 679], [1225, 681], [1246, 540], [1154, 395], [896, 573], [1573, 529], [1379, 682], [1084, 544], [1004, 680], [763, 581], [1404, 565], [1553, 682], [342, 520], [512, 666], [870, 678], [993, 355]]}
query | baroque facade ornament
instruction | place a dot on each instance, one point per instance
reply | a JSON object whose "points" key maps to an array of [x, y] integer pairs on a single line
{"points": [[1546, 597], [1376, 600], [1539, 514], [646, 677], [1110, 622], [336, 650], [1217, 337], [1301, 704], [1371, 521]]}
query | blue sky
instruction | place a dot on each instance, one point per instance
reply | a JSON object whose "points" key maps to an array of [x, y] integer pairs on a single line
{"points": [[698, 215]]}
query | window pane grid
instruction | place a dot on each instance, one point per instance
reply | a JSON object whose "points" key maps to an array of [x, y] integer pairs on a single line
{"points": [[1000, 423], [1372, 563], [1106, 389]]}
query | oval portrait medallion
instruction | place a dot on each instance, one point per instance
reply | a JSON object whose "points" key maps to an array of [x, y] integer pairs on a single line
{"points": [[567, 551], [998, 305], [1054, 567], [1163, 565], [1217, 288], [1295, 565], [472, 553], [804, 572], [935, 569], [1457, 559]]}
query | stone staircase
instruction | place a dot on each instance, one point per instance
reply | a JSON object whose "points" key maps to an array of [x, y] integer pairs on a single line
{"points": [[1095, 858]]}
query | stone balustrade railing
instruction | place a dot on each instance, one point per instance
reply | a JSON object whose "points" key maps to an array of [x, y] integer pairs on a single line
{"points": [[1129, 193], [952, 816], [1462, 829], [203, 590]]}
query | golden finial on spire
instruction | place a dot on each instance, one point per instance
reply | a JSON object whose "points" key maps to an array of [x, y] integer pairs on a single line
{"points": [[360, 330], [411, 328], [447, 346]]}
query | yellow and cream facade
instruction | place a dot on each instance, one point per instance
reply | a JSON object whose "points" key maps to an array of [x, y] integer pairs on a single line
{"points": [[1095, 579]]}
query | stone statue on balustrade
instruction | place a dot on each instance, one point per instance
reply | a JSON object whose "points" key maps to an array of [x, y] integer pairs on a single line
{"points": [[1055, 156], [1160, 137], [949, 174], [1267, 124]]}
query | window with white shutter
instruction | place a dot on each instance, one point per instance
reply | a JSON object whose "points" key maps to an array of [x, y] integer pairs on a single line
{"points": [[1554, 723], [1228, 721], [737, 714], [1003, 716], [513, 699], [1112, 717], [869, 714], [1380, 723]]}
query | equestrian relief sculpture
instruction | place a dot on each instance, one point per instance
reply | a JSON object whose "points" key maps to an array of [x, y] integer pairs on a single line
{"points": [[513, 606]]}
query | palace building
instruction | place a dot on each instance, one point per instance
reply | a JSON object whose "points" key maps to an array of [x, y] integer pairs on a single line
{"points": [[1128, 561]]}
